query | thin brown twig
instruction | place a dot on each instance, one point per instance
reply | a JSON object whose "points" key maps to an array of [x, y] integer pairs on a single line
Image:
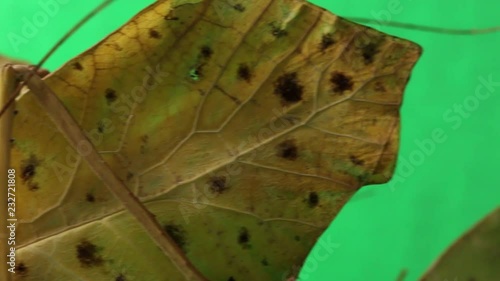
{"points": [[424, 28], [68, 126], [53, 49]]}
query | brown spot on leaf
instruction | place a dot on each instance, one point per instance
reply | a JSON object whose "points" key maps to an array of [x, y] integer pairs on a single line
{"points": [[89, 197], [120, 277], [379, 87], [77, 66], [277, 32], [341, 82], [264, 262], [326, 41], [206, 52], [369, 51], [288, 150], [130, 176], [154, 34], [239, 7], [313, 199], [21, 269], [288, 88], [231, 278], [100, 127], [28, 168], [244, 72], [33, 186], [110, 95], [178, 234], [244, 238], [88, 254], [356, 161], [218, 184]]}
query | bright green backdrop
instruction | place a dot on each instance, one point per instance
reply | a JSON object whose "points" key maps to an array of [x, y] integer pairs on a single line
{"points": [[436, 194]]}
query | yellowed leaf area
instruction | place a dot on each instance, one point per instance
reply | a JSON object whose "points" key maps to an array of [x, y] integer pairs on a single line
{"points": [[243, 126]]}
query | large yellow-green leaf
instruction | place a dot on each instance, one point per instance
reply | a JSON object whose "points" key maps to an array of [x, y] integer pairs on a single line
{"points": [[243, 126], [475, 256]]}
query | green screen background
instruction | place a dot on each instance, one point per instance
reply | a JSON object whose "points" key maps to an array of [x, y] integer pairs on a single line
{"points": [[433, 198]]}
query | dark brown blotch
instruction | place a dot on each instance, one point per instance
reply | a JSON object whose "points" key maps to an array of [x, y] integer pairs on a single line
{"points": [[100, 127], [21, 269], [313, 199], [264, 262], [288, 88], [326, 41], [277, 31], [239, 7], [206, 52], [244, 72], [231, 278], [28, 168], [89, 197], [33, 186], [368, 52], [341, 82], [88, 254], [356, 161], [288, 150], [244, 238], [178, 234], [120, 277], [77, 66], [110, 95], [154, 34], [218, 184]]}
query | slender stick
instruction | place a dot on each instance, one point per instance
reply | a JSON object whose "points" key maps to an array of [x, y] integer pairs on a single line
{"points": [[72, 131], [7, 86], [449, 31], [59, 43]]}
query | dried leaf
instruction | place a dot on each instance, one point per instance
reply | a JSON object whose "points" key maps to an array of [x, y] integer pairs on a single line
{"points": [[243, 126], [475, 256]]}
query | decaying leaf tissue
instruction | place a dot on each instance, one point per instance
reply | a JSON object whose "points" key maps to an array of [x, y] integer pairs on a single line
{"points": [[238, 131]]}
